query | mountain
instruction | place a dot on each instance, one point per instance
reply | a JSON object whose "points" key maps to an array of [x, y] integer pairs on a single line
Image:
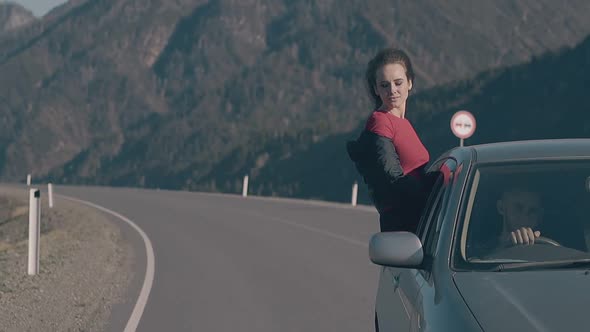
{"points": [[542, 99], [13, 16], [193, 94]]}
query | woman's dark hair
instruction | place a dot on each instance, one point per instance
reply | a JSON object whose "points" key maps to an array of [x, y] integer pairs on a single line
{"points": [[385, 57]]}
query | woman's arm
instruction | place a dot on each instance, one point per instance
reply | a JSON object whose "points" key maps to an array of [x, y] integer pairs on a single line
{"points": [[378, 162], [387, 157], [388, 161]]}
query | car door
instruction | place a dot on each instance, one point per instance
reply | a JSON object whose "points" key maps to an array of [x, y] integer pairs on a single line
{"points": [[392, 300], [398, 287]]}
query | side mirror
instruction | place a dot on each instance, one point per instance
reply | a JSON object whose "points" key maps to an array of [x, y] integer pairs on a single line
{"points": [[396, 249]]}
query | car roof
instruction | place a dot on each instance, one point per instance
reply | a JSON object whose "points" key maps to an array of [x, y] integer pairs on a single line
{"points": [[533, 149]]}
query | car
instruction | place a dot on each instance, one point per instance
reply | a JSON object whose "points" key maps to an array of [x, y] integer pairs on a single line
{"points": [[502, 244]]}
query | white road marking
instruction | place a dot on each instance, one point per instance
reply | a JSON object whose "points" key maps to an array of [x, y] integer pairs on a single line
{"points": [[314, 229], [133, 321], [361, 207]]}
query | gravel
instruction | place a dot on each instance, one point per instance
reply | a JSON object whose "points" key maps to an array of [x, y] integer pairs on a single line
{"points": [[85, 267]]}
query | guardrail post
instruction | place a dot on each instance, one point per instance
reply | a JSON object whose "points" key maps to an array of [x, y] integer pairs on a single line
{"points": [[34, 230], [28, 179], [245, 187], [355, 189]]}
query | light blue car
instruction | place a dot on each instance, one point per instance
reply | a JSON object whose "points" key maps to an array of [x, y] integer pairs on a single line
{"points": [[503, 244]]}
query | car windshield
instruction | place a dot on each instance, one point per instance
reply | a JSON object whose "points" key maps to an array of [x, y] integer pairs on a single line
{"points": [[511, 205]]}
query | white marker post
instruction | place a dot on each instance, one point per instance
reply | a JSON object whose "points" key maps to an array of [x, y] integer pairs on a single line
{"points": [[34, 230], [28, 179], [245, 186], [463, 125], [355, 189], [50, 194]]}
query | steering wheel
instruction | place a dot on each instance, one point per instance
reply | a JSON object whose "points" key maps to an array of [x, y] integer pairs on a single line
{"points": [[546, 240]]}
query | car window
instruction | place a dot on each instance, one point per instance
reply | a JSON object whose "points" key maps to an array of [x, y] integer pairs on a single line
{"points": [[432, 216], [429, 207], [437, 216], [551, 198], [432, 225]]}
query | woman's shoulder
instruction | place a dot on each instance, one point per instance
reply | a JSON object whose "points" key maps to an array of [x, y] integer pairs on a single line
{"points": [[378, 114], [379, 117], [380, 124]]}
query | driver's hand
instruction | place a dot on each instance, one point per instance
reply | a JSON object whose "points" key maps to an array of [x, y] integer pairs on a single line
{"points": [[524, 235]]}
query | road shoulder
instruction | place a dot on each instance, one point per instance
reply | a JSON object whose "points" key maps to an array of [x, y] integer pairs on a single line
{"points": [[85, 267]]}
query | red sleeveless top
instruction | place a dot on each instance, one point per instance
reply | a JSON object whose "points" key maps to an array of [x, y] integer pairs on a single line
{"points": [[412, 153]]}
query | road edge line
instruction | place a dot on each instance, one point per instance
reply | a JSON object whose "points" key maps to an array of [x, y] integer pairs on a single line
{"points": [[146, 288]]}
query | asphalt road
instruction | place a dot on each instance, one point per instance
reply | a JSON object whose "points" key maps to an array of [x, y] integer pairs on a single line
{"points": [[228, 263]]}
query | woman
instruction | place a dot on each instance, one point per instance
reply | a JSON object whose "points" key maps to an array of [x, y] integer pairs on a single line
{"points": [[388, 154]]}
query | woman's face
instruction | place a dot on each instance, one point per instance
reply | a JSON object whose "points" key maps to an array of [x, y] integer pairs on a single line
{"points": [[392, 86]]}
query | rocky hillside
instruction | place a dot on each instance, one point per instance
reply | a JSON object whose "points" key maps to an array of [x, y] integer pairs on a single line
{"points": [[193, 94], [13, 16], [542, 99]]}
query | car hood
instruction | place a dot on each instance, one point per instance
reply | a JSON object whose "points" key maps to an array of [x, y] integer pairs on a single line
{"points": [[549, 300]]}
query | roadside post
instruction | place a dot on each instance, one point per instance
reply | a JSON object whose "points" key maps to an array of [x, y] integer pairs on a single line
{"points": [[355, 189], [34, 230], [463, 125], [245, 187], [50, 194]]}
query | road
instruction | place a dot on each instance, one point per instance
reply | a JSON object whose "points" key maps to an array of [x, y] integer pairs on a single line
{"points": [[229, 263]]}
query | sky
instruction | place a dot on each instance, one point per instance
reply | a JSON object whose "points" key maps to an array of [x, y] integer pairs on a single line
{"points": [[38, 7]]}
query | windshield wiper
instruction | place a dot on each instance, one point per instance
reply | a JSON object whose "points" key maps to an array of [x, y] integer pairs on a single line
{"points": [[560, 264]]}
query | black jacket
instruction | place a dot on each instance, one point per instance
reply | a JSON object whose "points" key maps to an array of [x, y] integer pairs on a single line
{"points": [[377, 161]]}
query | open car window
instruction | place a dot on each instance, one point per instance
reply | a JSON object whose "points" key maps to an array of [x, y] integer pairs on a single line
{"points": [[429, 226], [551, 198]]}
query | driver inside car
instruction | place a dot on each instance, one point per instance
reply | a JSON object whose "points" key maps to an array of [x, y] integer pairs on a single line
{"points": [[521, 213], [516, 220]]}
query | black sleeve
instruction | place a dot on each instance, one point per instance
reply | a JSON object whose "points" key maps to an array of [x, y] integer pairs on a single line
{"points": [[354, 150], [387, 158], [388, 161], [378, 163]]}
